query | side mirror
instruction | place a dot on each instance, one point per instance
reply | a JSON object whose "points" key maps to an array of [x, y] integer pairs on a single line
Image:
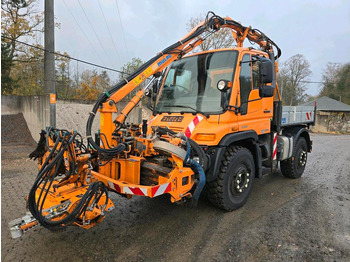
{"points": [[266, 70], [266, 91], [224, 85]]}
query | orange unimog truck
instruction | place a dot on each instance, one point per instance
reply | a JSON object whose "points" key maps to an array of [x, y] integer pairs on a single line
{"points": [[217, 121]]}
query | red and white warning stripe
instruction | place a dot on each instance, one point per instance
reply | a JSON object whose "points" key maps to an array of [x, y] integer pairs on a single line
{"points": [[114, 186], [141, 191], [151, 121], [192, 125], [308, 115], [274, 154], [160, 190]]}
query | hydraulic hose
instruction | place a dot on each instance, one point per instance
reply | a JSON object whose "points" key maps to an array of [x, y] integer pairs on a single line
{"points": [[199, 151], [197, 168], [47, 175]]}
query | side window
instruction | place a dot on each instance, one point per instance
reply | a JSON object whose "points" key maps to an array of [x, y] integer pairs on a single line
{"points": [[170, 77], [245, 81], [256, 74]]}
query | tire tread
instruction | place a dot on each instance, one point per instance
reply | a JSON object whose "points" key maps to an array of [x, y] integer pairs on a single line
{"points": [[216, 196], [288, 166]]}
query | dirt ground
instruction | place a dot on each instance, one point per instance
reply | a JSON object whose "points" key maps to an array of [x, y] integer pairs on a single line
{"points": [[307, 219]]}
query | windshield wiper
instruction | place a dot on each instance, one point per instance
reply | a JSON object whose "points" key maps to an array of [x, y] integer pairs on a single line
{"points": [[183, 106]]}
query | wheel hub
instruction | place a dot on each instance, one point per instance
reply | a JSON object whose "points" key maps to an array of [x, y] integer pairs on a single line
{"points": [[240, 182], [302, 158]]}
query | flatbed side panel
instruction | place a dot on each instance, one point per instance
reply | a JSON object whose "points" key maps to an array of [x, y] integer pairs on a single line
{"points": [[294, 115]]}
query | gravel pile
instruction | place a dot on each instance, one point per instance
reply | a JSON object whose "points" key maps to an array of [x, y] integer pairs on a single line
{"points": [[14, 131]]}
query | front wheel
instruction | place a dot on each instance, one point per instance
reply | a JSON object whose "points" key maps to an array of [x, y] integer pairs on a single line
{"points": [[294, 167], [231, 189]]}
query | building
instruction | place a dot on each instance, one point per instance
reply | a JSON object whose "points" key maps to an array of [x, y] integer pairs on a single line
{"points": [[331, 115]]}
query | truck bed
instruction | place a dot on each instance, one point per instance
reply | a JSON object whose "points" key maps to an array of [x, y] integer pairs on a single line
{"points": [[295, 115]]}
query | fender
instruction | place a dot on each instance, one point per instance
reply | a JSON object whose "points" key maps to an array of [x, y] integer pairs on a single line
{"points": [[299, 131], [247, 139]]}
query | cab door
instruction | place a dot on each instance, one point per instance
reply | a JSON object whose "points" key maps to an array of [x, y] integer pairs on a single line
{"points": [[252, 107], [249, 86]]}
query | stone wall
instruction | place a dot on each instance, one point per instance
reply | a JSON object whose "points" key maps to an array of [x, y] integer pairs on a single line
{"points": [[332, 122], [35, 109], [135, 115]]}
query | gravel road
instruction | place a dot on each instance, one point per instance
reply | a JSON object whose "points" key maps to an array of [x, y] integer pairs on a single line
{"points": [[307, 219]]}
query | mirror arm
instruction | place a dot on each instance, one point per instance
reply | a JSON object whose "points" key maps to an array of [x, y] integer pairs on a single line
{"points": [[235, 109]]}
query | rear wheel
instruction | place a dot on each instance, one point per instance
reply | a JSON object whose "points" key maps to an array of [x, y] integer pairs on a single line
{"points": [[294, 167], [231, 189]]}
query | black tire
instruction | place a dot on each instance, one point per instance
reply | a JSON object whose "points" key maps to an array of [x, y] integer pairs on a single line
{"points": [[294, 167], [231, 189]]}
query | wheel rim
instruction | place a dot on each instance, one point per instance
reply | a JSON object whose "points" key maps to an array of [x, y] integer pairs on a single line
{"points": [[301, 160], [240, 181]]}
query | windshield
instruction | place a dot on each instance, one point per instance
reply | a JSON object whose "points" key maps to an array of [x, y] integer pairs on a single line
{"points": [[190, 83]]}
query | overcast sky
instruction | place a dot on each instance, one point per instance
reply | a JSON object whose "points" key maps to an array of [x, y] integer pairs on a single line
{"points": [[317, 29]]}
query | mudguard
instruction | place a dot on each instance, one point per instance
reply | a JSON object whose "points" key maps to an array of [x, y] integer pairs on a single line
{"points": [[299, 131], [247, 139]]}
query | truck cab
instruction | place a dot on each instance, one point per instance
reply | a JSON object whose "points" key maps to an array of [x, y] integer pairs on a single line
{"points": [[189, 88], [224, 100]]}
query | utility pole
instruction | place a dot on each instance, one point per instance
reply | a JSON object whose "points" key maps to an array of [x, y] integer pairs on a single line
{"points": [[49, 59]]}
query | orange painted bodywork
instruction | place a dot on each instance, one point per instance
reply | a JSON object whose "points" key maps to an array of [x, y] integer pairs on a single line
{"points": [[210, 131]]}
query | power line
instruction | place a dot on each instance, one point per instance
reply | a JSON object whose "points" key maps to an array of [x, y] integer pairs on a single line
{"points": [[110, 34], [121, 24], [111, 69], [309, 82], [87, 18], [314, 82], [83, 31], [69, 57]]}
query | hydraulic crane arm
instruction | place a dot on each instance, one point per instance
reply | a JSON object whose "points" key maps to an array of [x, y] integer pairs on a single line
{"points": [[194, 38], [189, 42]]}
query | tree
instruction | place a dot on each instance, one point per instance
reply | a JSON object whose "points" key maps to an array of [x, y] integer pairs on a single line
{"points": [[336, 82], [343, 83], [18, 18], [130, 67], [7, 82], [63, 81], [93, 84], [221, 39], [291, 79], [329, 79], [28, 71]]}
